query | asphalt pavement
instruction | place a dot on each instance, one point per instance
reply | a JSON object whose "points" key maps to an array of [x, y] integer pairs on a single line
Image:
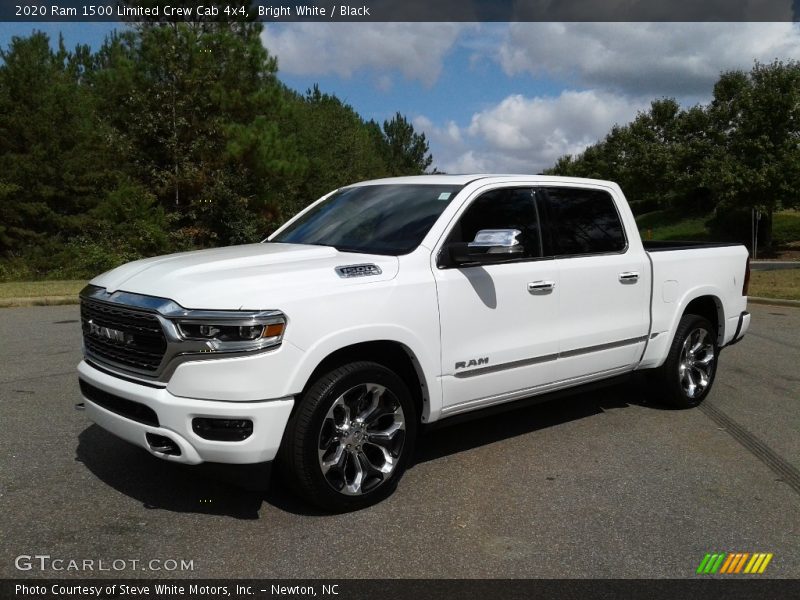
{"points": [[601, 484]]}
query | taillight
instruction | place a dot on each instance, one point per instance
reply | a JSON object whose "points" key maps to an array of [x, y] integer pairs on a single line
{"points": [[746, 285]]}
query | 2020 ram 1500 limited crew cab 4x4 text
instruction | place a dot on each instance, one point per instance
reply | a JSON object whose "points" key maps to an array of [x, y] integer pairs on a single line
{"points": [[396, 303]]}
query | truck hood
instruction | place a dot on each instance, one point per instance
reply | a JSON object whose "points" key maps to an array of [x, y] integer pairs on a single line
{"points": [[248, 277]]}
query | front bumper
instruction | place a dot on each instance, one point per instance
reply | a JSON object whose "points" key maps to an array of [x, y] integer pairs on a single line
{"points": [[175, 416]]}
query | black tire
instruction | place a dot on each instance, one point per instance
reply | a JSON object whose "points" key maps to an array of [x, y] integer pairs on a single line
{"points": [[686, 377], [321, 429]]}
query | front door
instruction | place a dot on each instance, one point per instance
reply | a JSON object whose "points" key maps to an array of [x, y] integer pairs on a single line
{"points": [[499, 322]]}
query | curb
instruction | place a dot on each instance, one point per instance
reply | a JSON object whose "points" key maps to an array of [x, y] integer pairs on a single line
{"points": [[773, 301], [38, 301]]}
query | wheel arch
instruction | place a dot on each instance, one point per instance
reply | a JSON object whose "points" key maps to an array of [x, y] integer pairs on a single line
{"points": [[709, 307], [703, 304], [704, 301], [390, 353]]}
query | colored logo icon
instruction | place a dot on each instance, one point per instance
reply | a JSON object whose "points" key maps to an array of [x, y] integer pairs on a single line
{"points": [[733, 563]]}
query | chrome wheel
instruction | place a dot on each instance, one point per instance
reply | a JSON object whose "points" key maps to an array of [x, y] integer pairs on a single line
{"points": [[361, 439], [696, 367]]}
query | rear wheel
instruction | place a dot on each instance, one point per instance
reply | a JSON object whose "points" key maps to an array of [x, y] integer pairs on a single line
{"points": [[686, 377], [351, 437]]}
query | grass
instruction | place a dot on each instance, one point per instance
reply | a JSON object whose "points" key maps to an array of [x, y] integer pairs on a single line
{"points": [[687, 229], [40, 289], [667, 225], [786, 226], [776, 284]]}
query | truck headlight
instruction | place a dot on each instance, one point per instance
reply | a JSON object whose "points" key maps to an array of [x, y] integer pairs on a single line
{"points": [[229, 333]]}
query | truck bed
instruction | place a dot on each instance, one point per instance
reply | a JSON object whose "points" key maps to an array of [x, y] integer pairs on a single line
{"points": [[663, 246], [710, 269]]}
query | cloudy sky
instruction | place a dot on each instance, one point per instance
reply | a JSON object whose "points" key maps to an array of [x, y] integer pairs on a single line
{"points": [[506, 97]]}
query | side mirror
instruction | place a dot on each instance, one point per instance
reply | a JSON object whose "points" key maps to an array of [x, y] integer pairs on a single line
{"points": [[489, 246]]}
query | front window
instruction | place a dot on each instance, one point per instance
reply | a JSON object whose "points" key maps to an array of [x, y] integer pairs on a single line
{"points": [[373, 219], [504, 208]]}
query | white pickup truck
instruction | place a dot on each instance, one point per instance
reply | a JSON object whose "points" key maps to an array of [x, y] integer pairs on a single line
{"points": [[389, 305]]}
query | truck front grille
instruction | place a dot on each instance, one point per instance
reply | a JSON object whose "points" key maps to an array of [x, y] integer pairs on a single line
{"points": [[122, 336]]}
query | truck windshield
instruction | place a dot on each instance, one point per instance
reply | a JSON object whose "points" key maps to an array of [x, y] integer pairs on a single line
{"points": [[373, 219]]}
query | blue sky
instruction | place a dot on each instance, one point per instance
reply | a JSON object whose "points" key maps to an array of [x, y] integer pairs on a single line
{"points": [[503, 97]]}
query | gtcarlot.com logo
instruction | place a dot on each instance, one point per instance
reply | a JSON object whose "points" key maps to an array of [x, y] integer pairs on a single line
{"points": [[734, 563], [45, 562]]}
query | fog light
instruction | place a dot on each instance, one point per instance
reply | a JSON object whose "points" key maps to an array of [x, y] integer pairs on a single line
{"points": [[223, 430]]}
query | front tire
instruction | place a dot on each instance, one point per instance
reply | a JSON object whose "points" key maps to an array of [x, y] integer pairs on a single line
{"points": [[687, 375], [351, 437]]}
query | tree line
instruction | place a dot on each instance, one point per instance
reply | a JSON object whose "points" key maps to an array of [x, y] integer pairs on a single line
{"points": [[168, 137], [739, 152]]}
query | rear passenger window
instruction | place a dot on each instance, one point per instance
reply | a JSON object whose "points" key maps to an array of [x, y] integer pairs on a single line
{"points": [[583, 222]]}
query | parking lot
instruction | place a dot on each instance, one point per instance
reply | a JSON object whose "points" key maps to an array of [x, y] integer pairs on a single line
{"points": [[602, 484]]}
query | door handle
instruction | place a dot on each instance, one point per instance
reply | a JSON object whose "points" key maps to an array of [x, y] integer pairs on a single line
{"points": [[629, 277], [541, 287]]}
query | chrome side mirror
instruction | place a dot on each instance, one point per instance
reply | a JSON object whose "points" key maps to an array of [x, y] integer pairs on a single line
{"points": [[497, 241], [489, 246]]}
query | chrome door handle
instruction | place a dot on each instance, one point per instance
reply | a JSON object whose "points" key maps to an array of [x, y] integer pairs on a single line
{"points": [[629, 277], [541, 287]]}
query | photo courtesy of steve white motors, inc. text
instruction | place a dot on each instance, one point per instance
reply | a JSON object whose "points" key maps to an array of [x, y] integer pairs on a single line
{"points": [[116, 590]]}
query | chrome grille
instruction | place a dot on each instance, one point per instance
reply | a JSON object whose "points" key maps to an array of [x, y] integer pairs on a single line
{"points": [[124, 337]]}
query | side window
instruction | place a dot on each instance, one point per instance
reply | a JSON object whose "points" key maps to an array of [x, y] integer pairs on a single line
{"points": [[583, 221], [502, 209]]}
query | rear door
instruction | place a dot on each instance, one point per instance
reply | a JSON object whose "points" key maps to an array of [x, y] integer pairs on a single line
{"points": [[605, 285]]}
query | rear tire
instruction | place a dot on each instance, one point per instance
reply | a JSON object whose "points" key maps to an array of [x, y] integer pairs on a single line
{"points": [[350, 438], [687, 375]]}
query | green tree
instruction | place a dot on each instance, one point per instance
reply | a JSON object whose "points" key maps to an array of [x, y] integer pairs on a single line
{"points": [[340, 148], [755, 118], [407, 151], [170, 136], [50, 152], [198, 118], [654, 158]]}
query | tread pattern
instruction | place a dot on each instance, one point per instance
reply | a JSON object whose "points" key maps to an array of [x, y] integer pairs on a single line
{"points": [[758, 448]]}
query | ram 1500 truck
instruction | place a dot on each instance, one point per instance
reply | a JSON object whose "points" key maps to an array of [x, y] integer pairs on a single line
{"points": [[392, 304]]}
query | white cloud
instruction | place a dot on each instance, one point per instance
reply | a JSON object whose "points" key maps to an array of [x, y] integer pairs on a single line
{"points": [[450, 133], [527, 135], [673, 59], [416, 50], [609, 70], [470, 162]]}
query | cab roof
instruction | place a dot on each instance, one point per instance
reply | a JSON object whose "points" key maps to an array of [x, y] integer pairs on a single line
{"points": [[464, 179]]}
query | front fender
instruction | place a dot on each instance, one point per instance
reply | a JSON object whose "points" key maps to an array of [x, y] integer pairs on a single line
{"points": [[426, 361]]}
